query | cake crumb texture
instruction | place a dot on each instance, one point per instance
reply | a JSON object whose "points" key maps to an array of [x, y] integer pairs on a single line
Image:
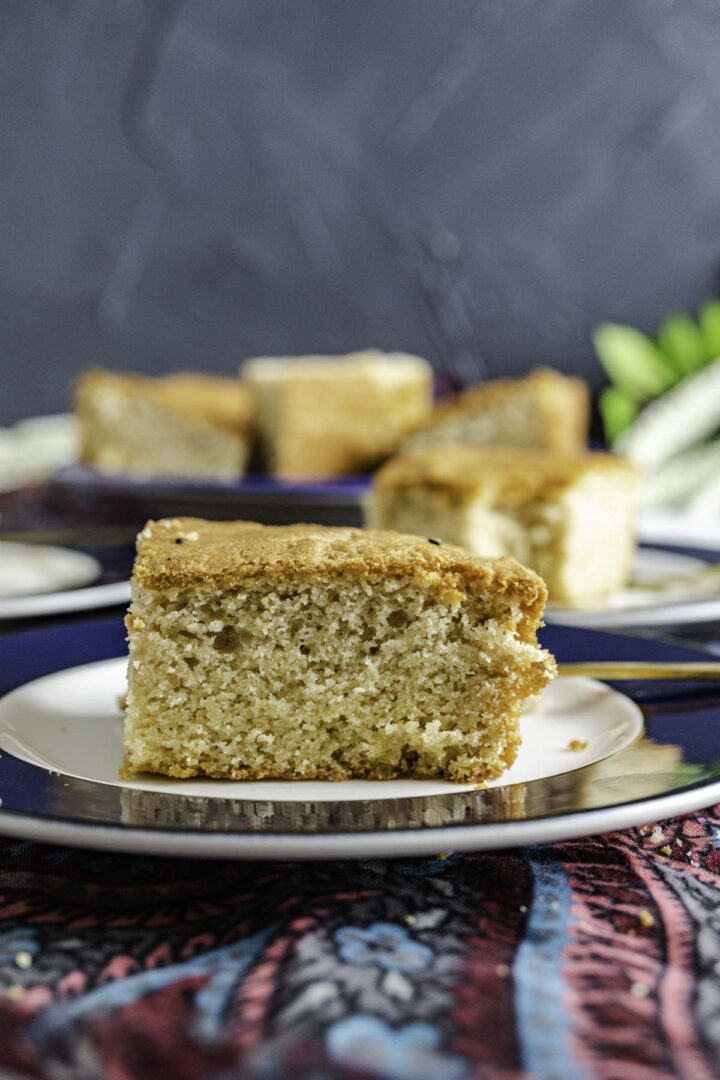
{"points": [[303, 652]]}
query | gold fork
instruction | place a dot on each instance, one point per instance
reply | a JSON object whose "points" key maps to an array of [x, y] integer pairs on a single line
{"points": [[619, 670]]}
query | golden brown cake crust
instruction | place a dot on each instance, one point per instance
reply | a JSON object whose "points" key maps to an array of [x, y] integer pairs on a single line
{"points": [[510, 473], [563, 400], [223, 402], [179, 552]]}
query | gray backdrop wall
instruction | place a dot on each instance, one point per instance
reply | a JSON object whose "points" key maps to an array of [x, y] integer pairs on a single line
{"points": [[188, 183]]}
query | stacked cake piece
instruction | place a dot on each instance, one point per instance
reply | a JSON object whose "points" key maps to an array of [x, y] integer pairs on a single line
{"points": [[543, 410], [569, 517], [334, 415]]}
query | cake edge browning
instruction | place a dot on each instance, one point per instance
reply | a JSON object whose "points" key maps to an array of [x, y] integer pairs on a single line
{"points": [[218, 400], [562, 401], [171, 554], [467, 471], [572, 519]]}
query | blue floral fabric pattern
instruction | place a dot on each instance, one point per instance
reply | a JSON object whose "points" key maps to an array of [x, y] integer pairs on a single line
{"points": [[382, 944], [405, 1053]]}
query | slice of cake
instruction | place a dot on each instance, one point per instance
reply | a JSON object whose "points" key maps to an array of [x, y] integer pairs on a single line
{"points": [[570, 517], [182, 425], [545, 409], [336, 415], [303, 652]]}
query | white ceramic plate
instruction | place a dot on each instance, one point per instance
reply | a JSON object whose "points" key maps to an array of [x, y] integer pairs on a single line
{"points": [[60, 603], [37, 580], [680, 529], [32, 569], [667, 589], [70, 723]]}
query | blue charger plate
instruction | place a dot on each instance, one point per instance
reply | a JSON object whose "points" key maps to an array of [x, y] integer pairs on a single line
{"points": [[257, 498]]}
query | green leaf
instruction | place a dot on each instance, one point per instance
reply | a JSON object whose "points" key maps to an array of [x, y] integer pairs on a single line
{"points": [[632, 361], [709, 319], [617, 411], [683, 344]]}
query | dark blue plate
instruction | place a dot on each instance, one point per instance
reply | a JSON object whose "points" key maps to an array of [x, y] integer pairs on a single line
{"points": [[674, 768], [258, 498]]}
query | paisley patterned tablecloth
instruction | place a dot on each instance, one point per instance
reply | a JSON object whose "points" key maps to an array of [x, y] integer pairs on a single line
{"points": [[596, 958]]}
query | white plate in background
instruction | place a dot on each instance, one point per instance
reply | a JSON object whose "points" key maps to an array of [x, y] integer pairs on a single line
{"points": [[33, 569], [680, 529], [38, 580], [667, 589], [65, 603]]}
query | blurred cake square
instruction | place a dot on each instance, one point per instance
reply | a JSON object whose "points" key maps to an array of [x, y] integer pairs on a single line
{"points": [[545, 410], [571, 518], [321, 416], [184, 424], [303, 652]]}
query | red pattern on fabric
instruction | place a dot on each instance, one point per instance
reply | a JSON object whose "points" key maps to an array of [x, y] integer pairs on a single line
{"points": [[609, 953], [255, 996], [150, 1039], [485, 988]]}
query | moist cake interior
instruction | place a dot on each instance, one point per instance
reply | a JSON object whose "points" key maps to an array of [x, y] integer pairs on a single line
{"points": [[332, 676]]}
